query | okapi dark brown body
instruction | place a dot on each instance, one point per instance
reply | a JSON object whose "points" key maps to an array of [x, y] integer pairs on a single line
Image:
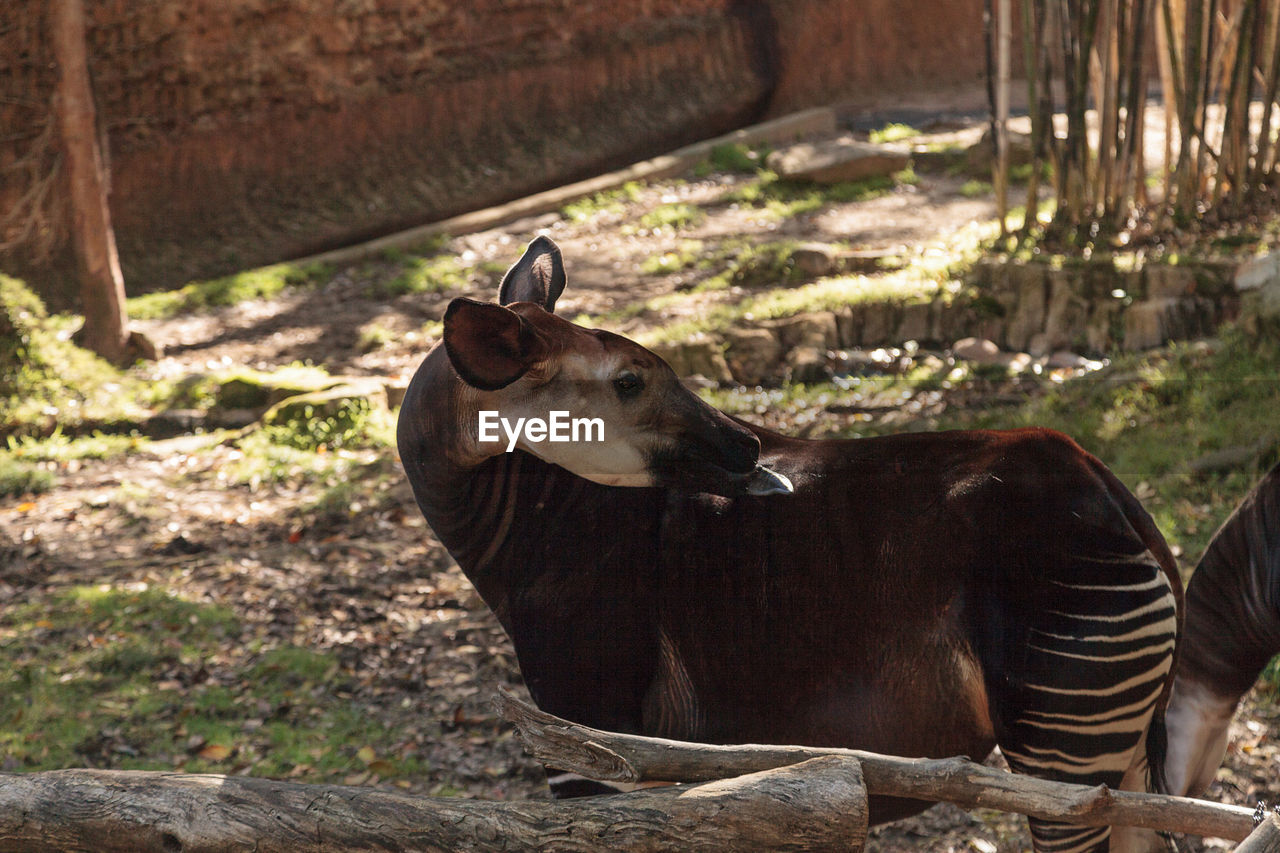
{"points": [[918, 595]]}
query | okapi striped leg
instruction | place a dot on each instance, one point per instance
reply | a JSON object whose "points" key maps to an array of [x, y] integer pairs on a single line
{"points": [[1095, 662]]}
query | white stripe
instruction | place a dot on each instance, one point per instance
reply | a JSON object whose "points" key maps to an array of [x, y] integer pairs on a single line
{"points": [[1157, 673], [1100, 717], [1145, 650], [1151, 584], [1160, 603]]}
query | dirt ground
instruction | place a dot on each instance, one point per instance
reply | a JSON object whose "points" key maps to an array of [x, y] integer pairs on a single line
{"points": [[373, 585]]}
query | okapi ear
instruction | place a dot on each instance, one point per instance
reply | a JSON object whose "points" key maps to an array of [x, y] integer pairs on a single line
{"points": [[537, 277], [489, 346]]}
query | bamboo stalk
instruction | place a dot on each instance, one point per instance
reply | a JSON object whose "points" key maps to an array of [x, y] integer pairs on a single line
{"points": [[1266, 149], [1004, 26]]}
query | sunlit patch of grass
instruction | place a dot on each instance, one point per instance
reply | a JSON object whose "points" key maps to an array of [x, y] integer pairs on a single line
{"points": [[609, 201], [19, 477], [974, 188], [685, 256], [893, 132], [418, 274], [59, 447], [785, 199], [46, 381], [675, 215], [734, 157], [261, 283]]}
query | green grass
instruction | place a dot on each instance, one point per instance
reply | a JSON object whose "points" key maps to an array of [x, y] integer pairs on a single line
{"points": [[974, 188], [146, 680], [418, 274], [46, 381], [261, 283], [675, 216], [20, 477], [689, 254], [784, 199], [62, 448], [734, 157], [609, 201], [893, 132]]}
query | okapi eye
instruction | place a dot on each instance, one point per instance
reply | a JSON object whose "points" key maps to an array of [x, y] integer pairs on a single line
{"points": [[628, 384]]}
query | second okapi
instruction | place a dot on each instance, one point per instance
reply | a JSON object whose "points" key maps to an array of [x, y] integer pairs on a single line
{"points": [[693, 576]]}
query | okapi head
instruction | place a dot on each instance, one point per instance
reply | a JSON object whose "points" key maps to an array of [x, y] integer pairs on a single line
{"points": [[516, 363]]}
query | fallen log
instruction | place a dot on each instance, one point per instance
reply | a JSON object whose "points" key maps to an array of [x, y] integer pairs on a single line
{"points": [[817, 805], [615, 757]]}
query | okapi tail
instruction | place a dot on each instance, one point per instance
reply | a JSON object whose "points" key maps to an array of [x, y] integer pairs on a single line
{"points": [[1232, 630]]}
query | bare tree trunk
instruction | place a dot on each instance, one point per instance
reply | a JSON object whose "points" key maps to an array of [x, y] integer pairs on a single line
{"points": [[101, 282], [630, 758], [817, 805]]}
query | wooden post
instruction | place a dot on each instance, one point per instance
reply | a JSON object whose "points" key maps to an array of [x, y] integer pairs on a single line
{"points": [[101, 282]]}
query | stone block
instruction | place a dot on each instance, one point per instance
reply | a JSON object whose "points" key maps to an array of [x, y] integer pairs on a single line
{"points": [[1164, 281], [808, 364], [879, 323], [1148, 324], [754, 355], [815, 260], [814, 328], [1066, 316], [918, 323], [699, 357], [1027, 304]]}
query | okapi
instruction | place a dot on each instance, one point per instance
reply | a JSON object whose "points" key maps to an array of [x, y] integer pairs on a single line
{"points": [[1232, 630], [694, 576]]}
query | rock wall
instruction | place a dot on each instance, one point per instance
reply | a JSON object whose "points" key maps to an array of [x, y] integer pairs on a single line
{"points": [[1029, 310], [246, 131]]}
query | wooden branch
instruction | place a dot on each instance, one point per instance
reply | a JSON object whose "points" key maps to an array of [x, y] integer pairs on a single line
{"points": [[631, 758], [1264, 839], [818, 805]]}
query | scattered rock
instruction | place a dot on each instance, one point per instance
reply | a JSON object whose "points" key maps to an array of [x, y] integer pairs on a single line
{"points": [[1067, 360], [835, 160], [1014, 362], [348, 401], [977, 350], [250, 389], [1256, 272]]}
